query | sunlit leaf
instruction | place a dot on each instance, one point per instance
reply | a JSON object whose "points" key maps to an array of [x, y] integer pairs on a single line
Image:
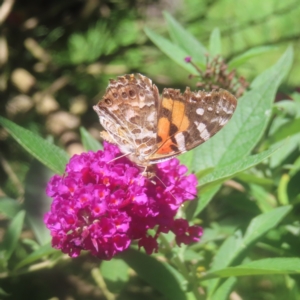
{"points": [[116, 274], [260, 267], [225, 172], [186, 41], [44, 151], [263, 223], [88, 141], [243, 58], [173, 51], [215, 44]]}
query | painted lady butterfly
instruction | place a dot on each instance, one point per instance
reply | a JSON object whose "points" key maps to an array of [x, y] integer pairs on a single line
{"points": [[150, 128]]}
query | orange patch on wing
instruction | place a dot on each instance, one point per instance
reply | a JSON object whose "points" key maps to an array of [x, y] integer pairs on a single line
{"points": [[165, 148], [178, 116], [163, 132], [167, 103], [163, 129]]}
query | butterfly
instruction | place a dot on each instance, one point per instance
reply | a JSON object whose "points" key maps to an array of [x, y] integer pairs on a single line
{"points": [[150, 128]]}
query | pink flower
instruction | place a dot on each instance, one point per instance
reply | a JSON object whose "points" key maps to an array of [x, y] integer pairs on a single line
{"points": [[101, 206]]}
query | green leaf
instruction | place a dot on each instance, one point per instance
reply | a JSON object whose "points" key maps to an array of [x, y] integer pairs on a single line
{"points": [[255, 51], [116, 274], [37, 225], [159, 275], [286, 130], [203, 201], [235, 245], [87, 47], [247, 125], [285, 61], [222, 293], [43, 251], [186, 159], [260, 267], [12, 235], [264, 200], [186, 40], [291, 145], [283, 197], [210, 183], [173, 51], [215, 44], [9, 207], [226, 252], [3, 293], [295, 168], [251, 178], [44, 151], [224, 257], [263, 223], [89, 143], [225, 172], [288, 108], [36, 202]]}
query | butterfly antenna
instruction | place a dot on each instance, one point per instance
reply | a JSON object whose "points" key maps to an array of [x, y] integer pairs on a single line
{"points": [[118, 157]]}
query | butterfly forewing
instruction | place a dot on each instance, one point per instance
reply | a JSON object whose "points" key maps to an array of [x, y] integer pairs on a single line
{"points": [[190, 119], [128, 112], [209, 113]]}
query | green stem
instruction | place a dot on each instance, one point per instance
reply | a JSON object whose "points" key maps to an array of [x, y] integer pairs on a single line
{"points": [[182, 268], [96, 274]]}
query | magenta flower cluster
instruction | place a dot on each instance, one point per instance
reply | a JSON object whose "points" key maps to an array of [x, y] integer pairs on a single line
{"points": [[102, 205]]}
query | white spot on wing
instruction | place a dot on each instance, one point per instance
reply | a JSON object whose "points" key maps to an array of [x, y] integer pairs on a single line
{"points": [[223, 121], [228, 109], [216, 119], [180, 140], [200, 111], [151, 117], [204, 134], [200, 126]]}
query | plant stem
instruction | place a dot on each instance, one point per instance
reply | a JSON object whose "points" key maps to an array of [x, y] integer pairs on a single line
{"points": [[182, 268]]}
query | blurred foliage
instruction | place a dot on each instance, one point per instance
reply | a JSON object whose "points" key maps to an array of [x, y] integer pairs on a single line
{"points": [[56, 58]]}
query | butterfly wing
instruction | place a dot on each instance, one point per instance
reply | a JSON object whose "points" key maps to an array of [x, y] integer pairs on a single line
{"points": [[188, 120], [128, 113]]}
